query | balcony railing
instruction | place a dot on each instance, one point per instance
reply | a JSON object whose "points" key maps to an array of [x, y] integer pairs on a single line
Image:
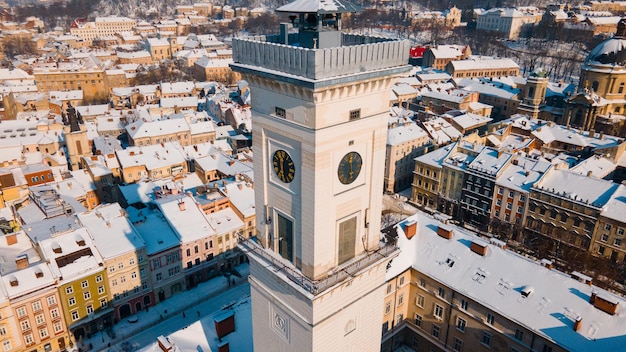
{"points": [[317, 286]]}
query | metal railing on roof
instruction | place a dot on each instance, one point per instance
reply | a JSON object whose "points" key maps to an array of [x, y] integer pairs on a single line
{"points": [[317, 286]]}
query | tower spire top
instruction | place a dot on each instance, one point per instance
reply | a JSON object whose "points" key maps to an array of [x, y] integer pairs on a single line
{"points": [[320, 7]]}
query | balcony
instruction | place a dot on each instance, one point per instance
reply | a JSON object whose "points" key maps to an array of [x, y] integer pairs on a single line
{"points": [[387, 250]]}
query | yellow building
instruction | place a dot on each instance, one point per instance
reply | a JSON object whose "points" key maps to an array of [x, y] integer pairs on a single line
{"points": [[82, 281], [63, 76], [155, 161]]}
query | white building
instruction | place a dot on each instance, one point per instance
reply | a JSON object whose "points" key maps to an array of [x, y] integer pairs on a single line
{"points": [[509, 22], [320, 133]]}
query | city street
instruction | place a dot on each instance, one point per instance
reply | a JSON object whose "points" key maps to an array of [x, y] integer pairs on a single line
{"points": [[142, 329]]}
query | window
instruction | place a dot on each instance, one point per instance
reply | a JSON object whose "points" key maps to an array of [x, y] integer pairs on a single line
{"points": [[400, 299], [131, 261], [355, 114], [123, 279], [607, 227], [347, 240], [43, 333], [464, 304], [441, 292], [111, 269], [133, 275], [120, 265], [69, 290], [89, 309], [36, 306], [51, 300], [490, 318], [28, 339], [418, 320], [388, 308], [402, 281], [58, 327], [279, 112], [422, 282], [25, 324], [438, 311], [87, 295], [419, 301], [39, 319], [618, 242], [54, 313], [84, 284], [620, 231], [159, 277], [460, 324], [435, 331], [605, 237], [71, 301], [388, 288], [156, 263], [103, 303], [519, 334], [6, 345], [114, 282], [458, 345], [188, 252], [3, 330], [100, 290], [99, 278], [21, 311], [486, 339], [399, 319], [547, 348]]}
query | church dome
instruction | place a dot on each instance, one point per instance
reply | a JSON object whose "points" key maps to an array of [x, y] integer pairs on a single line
{"points": [[611, 51]]}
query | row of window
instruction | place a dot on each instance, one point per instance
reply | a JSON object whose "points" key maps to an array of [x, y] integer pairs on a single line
{"points": [[36, 306], [83, 284]]}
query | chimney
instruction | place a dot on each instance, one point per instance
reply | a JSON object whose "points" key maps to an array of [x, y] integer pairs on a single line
{"points": [[181, 206], [445, 232], [479, 247], [21, 262], [11, 238], [410, 229], [589, 173], [577, 323]]}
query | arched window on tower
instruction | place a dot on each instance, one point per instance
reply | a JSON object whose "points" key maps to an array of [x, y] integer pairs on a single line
{"points": [[79, 148], [620, 90], [531, 91]]}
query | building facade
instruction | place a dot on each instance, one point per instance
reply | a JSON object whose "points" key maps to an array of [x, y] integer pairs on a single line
{"points": [[318, 176]]}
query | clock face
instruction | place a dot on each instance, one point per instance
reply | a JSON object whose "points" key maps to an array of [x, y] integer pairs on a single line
{"points": [[349, 168], [283, 166]]}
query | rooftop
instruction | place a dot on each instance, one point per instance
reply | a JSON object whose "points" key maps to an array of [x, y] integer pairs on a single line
{"points": [[497, 280]]}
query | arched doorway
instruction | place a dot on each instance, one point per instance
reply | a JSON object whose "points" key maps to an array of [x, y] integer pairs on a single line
{"points": [[146, 300], [161, 296], [137, 307], [125, 311]]}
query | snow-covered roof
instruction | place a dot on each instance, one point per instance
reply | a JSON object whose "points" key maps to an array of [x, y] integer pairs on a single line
{"points": [[490, 161], [581, 188], [111, 231], [185, 217], [495, 281], [448, 51], [522, 174], [405, 132], [319, 6], [145, 129], [469, 120], [595, 165], [72, 241], [153, 156], [615, 208], [483, 63]]}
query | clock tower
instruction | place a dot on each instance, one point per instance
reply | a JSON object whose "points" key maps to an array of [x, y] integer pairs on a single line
{"points": [[320, 104]]}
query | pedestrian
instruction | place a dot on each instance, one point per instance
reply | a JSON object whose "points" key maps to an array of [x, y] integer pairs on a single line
{"points": [[198, 312], [228, 282], [233, 281], [184, 316], [161, 317]]}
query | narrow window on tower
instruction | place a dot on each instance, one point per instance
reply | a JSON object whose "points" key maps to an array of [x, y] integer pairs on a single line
{"points": [[355, 114], [347, 240], [285, 237], [280, 112]]}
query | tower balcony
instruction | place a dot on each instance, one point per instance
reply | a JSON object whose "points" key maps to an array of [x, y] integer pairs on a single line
{"points": [[387, 250], [357, 54]]}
